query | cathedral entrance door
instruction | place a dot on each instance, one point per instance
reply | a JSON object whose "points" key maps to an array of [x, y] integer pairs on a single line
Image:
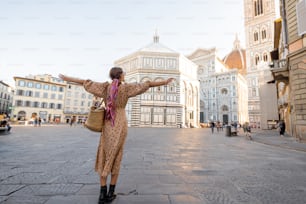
{"points": [[225, 119]]}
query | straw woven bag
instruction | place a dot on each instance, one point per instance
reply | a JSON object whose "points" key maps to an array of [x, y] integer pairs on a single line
{"points": [[95, 120]]}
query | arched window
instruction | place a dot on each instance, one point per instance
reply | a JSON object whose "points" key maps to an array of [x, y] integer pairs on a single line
{"points": [[256, 60], [264, 34], [224, 108], [258, 7], [255, 36], [260, 10], [224, 91], [265, 57]]}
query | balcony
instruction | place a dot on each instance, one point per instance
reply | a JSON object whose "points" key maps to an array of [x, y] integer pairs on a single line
{"points": [[279, 69]]}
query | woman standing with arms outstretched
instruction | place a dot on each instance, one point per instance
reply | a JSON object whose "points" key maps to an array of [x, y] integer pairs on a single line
{"points": [[112, 140]]}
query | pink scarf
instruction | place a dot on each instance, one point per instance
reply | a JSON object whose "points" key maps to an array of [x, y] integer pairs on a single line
{"points": [[110, 107]]}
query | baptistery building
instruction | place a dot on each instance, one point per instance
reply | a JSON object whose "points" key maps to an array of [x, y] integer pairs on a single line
{"points": [[174, 105]]}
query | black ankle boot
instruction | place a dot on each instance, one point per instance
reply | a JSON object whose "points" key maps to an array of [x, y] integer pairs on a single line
{"points": [[103, 195], [111, 193]]}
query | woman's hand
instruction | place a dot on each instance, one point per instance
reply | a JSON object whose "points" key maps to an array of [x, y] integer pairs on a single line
{"points": [[169, 81], [62, 76], [71, 79]]}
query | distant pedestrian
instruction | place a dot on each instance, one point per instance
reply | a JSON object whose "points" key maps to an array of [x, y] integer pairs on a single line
{"points": [[71, 121], [39, 121], [212, 126], [282, 127], [35, 122], [235, 125], [247, 130], [218, 126]]}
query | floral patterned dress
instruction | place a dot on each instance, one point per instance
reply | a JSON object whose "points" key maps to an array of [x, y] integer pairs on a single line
{"points": [[112, 139]]}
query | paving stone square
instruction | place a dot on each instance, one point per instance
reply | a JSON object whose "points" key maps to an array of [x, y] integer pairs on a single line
{"points": [[55, 164]]}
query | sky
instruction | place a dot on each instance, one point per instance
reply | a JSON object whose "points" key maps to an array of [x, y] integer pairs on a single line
{"points": [[83, 38]]}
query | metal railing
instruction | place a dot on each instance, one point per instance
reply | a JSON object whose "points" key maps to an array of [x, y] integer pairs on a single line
{"points": [[279, 64]]}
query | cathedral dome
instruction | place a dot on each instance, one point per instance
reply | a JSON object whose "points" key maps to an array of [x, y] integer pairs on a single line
{"points": [[236, 58]]}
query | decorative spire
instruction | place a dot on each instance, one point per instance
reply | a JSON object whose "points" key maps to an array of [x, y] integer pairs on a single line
{"points": [[156, 37], [236, 43]]}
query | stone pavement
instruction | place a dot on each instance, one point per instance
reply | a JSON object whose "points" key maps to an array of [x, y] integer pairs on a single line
{"points": [[54, 164], [272, 137]]}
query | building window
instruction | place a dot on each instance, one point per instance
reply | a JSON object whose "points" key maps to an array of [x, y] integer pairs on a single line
{"points": [[46, 87], [60, 97], [61, 89], [45, 95], [258, 7], [53, 96], [256, 60], [38, 86], [224, 108], [21, 83], [264, 34], [83, 95], [254, 92], [36, 104], [29, 93], [37, 94], [19, 103], [20, 92], [30, 84], [224, 91], [52, 105], [265, 57], [44, 105], [28, 103], [256, 36], [59, 106], [54, 88]]}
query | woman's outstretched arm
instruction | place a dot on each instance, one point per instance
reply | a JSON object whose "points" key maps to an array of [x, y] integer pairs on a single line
{"points": [[71, 79], [160, 83]]}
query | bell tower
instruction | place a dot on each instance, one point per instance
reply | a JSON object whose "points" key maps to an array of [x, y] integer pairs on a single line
{"points": [[259, 17]]}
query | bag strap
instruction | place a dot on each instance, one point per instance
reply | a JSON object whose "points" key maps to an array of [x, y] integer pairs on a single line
{"points": [[99, 103]]}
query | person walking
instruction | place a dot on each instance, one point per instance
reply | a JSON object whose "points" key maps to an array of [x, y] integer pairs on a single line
{"points": [[110, 149], [247, 130], [282, 127], [39, 121], [212, 126]]}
